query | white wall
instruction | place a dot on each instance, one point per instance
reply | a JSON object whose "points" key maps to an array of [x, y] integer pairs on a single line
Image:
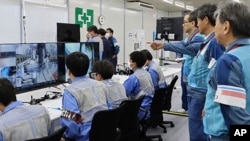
{"points": [[10, 21], [42, 15], [122, 21]]}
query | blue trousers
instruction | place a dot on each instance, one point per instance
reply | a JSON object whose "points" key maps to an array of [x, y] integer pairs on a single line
{"points": [[114, 61], [195, 107], [184, 92]]}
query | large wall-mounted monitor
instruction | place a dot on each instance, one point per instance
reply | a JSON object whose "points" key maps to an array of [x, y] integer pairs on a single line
{"points": [[8, 61], [91, 49], [29, 66]]}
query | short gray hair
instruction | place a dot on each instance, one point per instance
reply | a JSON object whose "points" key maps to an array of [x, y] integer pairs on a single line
{"points": [[237, 14]]}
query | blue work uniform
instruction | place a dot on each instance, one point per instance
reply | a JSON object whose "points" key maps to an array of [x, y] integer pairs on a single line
{"points": [[138, 84], [19, 122], [114, 50], [84, 96], [209, 52], [106, 49], [116, 93], [157, 76], [228, 87], [189, 47]]}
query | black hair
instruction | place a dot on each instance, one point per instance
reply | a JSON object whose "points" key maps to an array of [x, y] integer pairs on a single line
{"points": [[193, 17], [105, 68], [110, 29], [207, 10], [7, 92], [102, 32], [138, 58], [92, 28], [147, 54], [77, 63]]}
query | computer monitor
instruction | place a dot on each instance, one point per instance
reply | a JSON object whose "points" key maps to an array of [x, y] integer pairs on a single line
{"points": [[68, 32], [36, 65], [8, 61], [91, 49]]}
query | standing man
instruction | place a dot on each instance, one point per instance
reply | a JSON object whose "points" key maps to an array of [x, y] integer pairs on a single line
{"points": [[81, 99], [94, 37], [19, 122], [228, 95], [115, 46], [209, 52], [189, 47], [106, 45]]}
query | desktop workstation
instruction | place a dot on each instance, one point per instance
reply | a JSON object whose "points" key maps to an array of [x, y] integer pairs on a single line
{"points": [[38, 72], [54, 105]]}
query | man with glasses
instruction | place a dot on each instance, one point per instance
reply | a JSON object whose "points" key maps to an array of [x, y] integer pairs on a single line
{"points": [[116, 91], [227, 99], [209, 52], [189, 48]]}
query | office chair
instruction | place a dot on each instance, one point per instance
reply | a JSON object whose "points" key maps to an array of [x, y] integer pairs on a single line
{"points": [[56, 136], [104, 125], [168, 97], [156, 115], [129, 122]]}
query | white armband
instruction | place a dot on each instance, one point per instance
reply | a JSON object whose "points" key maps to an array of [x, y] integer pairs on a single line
{"points": [[231, 95]]}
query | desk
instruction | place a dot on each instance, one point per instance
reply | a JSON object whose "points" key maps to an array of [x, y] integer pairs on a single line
{"points": [[54, 106], [167, 72], [170, 72]]}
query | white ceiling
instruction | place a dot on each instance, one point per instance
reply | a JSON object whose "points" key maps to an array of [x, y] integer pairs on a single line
{"points": [[160, 4]]}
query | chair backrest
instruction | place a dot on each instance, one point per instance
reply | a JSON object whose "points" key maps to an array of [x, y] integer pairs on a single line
{"points": [[168, 97], [56, 136], [104, 125], [129, 122], [156, 116]]}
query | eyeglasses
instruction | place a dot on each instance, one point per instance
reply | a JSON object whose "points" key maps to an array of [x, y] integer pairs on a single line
{"points": [[92, 75]]}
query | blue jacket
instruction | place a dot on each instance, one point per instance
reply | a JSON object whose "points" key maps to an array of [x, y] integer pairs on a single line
{"points": [[106, 49], [230, 75], [138, 84], [156, 75], [19, 122], [210, 51], [84, 96], [115, 46]]}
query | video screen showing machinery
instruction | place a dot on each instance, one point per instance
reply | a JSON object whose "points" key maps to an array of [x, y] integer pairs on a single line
{"points": [[91, 49], [36, 64], [8, 61]]}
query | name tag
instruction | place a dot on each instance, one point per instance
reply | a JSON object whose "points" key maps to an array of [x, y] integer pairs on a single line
{"points": [[211, 63]]}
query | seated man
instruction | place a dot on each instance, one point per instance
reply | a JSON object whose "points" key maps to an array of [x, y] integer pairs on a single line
{"points": [[116, 91], [154, 71], [19, 122], [81, 99], [140, 82]]}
